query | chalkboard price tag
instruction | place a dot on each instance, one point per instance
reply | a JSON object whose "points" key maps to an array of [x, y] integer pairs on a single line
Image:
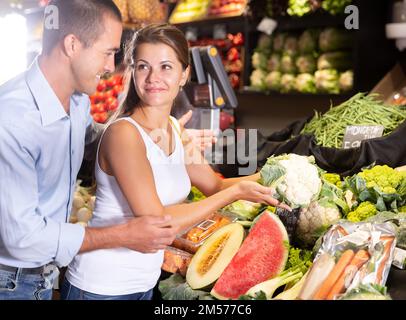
{"points": [[355, 134]]}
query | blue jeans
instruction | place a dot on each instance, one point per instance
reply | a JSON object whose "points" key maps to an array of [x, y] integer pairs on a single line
{"points": [[70, 292], [20, 286]]}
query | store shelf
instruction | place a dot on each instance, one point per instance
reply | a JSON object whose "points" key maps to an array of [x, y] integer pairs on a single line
{"points": [[212, 21], [250, 91], [314, 20]]}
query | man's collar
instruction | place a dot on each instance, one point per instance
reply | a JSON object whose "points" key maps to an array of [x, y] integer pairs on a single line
{"points": [[48, 104]]}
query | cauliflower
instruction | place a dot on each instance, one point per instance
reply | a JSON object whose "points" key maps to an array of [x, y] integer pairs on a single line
{"points": [[363, 211], [295, 178], [305, 83], [257, 79], [316, 219], [259, 60], [273, 80]]}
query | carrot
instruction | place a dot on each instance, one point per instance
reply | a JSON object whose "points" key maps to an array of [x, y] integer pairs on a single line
{"points": [[386, 254], [359, 259], [334, 275]]}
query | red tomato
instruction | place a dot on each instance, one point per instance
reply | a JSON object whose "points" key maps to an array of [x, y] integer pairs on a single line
{"points": [[100, 107], [118, 88], [103, 117], [111, 103], [119, 79], [102, 85], [93, 99], [96, 117], [111, 82], [108, 94], [93, 109], [98, 97]]}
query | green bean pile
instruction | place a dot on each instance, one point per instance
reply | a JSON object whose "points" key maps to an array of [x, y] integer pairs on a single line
{"points": [[361, 109]]}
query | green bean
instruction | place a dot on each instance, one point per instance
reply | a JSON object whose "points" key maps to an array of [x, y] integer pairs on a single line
{"points": [[361, 109]]}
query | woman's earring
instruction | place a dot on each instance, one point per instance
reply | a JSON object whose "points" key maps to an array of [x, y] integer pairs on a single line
{"points": [[181, 88]]}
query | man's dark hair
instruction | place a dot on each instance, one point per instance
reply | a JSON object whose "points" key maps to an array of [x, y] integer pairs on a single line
{"points": [[83, 18]]}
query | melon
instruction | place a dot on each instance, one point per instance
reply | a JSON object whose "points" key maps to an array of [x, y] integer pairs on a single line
{"points": [[214, 255], [262, 255]]}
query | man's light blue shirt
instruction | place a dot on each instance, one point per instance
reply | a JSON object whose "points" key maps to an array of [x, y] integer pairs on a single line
{"points": [[41, 151]]}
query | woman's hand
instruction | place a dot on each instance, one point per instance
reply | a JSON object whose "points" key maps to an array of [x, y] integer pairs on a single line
{"points": [[255, 192], [202, 139]]}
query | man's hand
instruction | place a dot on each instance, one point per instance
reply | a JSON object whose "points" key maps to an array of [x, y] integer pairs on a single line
{"points": [[201, 138], [148, 234]]}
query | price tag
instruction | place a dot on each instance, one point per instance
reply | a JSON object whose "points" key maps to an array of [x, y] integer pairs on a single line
{"points": [[355, 134], [191, 34], [267, 26], [219, 31]]}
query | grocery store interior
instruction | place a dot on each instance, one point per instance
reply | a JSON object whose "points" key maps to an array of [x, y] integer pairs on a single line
{"points": [[323, 79]]}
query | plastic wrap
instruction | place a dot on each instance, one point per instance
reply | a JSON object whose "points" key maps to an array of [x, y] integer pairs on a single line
{"points": [[378, 240]]}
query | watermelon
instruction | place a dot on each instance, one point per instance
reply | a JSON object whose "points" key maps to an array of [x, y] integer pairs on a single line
{"points": [[262, 256]]}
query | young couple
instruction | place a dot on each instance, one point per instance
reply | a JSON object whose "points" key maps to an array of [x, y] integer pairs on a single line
{"points": [[143, 170]]}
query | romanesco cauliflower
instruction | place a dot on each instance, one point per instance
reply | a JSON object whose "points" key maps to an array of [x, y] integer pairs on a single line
{"points": [[333, 178], [363, 211], [383, 177], [295, 178]]}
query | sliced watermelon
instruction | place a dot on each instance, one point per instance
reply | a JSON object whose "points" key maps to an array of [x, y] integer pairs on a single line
{"points": [[263, 255]]}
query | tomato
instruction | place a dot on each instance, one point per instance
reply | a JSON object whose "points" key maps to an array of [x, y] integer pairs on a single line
{"points": [[103, 117], [111, 103], [111, 82], [93, 109], [102, 85], [93, 99], [98, 97], [117, 89], [100, 107], [108, 94]]}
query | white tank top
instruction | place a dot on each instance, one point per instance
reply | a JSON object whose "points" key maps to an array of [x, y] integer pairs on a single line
{"points": [[122, 271]]}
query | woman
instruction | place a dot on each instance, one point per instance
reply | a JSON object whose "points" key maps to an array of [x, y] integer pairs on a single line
{"points": [[142, 168]]}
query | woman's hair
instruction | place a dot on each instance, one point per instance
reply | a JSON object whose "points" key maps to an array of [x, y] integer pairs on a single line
{"points": [[154, 34]]}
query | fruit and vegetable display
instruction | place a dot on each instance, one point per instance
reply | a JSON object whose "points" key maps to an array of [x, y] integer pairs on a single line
{"points": [[193, 10], [231, 50], [299, 8], [105, 101], [140, 12], [361, 109], [337, 252], [313, 61], [83, 204], [189, 10]]}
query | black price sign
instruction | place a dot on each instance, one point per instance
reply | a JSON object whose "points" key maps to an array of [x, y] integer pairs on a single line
{"points": [[355, 134]]}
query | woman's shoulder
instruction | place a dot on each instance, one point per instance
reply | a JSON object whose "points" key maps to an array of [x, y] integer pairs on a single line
{"points": [[121, 131]]}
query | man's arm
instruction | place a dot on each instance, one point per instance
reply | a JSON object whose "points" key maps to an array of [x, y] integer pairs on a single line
{"points": [[26, 234]]}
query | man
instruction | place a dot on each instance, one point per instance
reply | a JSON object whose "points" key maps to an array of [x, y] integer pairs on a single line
{"points": [[44, 126]]}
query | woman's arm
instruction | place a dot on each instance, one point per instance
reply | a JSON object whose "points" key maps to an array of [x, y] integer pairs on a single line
{"points": [[123, 155]]}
